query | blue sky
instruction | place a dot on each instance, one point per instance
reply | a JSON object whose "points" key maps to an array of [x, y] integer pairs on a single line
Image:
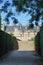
{"points": [[23, 18]]}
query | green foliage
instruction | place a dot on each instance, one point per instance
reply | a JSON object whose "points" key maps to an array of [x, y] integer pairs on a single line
{"points": [[35, 9], [11, 34], [15, 21], [1, 1], [36, 23], [39, 3], [7, 43], [31, 25], [39, 42]]}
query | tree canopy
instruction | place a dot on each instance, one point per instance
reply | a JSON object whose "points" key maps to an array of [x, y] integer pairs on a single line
{"points": [[33, 7]]}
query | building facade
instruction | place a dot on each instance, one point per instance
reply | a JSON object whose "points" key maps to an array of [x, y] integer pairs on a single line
{"points": [[20, 32]]}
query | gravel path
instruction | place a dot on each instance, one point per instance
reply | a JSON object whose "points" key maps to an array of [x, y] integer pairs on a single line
{"points": [[21, 56], [26, 45]]}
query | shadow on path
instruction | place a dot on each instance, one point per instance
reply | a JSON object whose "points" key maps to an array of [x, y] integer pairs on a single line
{"points": [[21, 58]]}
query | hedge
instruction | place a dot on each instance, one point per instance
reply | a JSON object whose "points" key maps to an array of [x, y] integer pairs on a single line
{"points": [[7, 42], [39, 42]]}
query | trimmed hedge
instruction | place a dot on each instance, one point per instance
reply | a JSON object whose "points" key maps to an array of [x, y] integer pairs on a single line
{"points": [[7, 42], [39, 42]]}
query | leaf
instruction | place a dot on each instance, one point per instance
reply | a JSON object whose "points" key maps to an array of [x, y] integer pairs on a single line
{"points": [[9, 13], [7, 20], [15, 21], [1, 1]]}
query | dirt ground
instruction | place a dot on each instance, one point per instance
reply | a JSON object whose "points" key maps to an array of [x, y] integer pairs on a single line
{"points": [[26, 45]]}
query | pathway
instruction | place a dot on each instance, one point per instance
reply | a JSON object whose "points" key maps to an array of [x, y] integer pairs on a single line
{"points": [[25, 55]]}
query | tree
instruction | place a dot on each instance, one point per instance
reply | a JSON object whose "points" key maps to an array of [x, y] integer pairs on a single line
{"points": [[31, 26], [15, 21], [1, 1], [36, 8], [36, 23], [33, 7]]}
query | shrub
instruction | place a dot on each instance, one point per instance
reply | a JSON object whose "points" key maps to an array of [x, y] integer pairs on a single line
{"points": [[7, 42], [37, 43], [41, 40]]}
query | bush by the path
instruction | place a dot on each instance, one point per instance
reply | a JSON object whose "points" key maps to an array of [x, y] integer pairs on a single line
{"points": [[39, 42], [7, 42]]}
